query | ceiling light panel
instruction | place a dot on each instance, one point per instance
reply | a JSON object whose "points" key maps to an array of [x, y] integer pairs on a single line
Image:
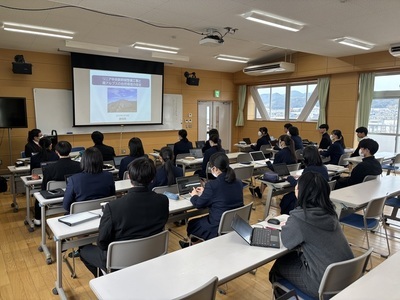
{"points": [[154, 47], [237, 59], [38, 30], [348, 41], [275, 21]]}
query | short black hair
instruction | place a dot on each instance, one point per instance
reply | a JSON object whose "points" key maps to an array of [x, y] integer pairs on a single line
{"points": [[63, 148], [97, 137], [324, 126], [92, 161], [294, 131], [311, 156], [263, 130], [369, 144], [287, 125], [183, 134], [213, 131], [141, 171], [33, 133], [45, 142], [362, 129]]}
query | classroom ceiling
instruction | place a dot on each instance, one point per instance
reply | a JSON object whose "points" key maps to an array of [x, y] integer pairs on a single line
{"points": [[180, 23]]}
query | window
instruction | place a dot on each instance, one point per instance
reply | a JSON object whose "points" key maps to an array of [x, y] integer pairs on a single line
{"points": [[383, 122], [295, 101]]}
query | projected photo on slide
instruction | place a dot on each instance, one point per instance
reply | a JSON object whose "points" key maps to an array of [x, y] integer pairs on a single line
{"points": [[121, 100]]}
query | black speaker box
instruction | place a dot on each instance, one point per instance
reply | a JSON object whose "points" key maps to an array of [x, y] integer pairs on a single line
{"points": [[192, 81], [21, 68]]}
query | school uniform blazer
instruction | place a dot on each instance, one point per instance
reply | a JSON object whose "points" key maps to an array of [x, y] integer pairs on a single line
{"points": [[124, 165], [263, 140], [298, 143], [334, 152], [87, 186], [138, 214], [183, 146], [107, 151], [368, 166], [219, 196], [37, 159], [161, 177], [284, 156], [32, 147], [58, 170], [325, 141]]}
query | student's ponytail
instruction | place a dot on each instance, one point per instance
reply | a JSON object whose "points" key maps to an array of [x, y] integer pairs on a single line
{"points": [[168, 158]]}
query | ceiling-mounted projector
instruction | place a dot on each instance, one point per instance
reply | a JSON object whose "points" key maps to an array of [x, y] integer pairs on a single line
{"points": [[211, 40]]}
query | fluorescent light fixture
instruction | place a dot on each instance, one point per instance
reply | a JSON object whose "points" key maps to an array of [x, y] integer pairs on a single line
{"points": [[271, 20], [157, 48], [238, 59], [89, 46], [169, 56], [348, 41], [38, 30]]}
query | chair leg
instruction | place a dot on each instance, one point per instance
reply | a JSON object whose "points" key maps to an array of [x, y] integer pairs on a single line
{"points": [[223, 291]]}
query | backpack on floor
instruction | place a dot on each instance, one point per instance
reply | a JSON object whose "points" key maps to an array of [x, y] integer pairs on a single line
{"points": [[3, 184]]}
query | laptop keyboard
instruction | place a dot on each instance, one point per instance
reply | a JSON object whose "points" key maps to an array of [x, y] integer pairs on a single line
{"points": [[261, 237]]}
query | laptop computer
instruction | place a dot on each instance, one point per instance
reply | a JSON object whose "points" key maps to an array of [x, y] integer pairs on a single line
{"points": [[117, 160], [247, 141], [281, 169], [258, 157], [257, 236], [186, 184], [196, 153]]}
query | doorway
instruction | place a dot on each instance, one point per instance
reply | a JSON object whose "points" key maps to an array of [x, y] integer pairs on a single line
{"points": [[215, 114]]}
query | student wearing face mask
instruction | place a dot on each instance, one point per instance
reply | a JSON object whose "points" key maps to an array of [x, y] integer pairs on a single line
{"points": [[219, 195], [368, 166], [361, 134], [336, 149], [263, 139]]}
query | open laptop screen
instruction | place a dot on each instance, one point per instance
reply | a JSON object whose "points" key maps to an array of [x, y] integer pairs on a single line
{"points": [[281, 169], [257, 155], [247, 141], [242, 228], [117, 160], [187, 183], [196, 153]]}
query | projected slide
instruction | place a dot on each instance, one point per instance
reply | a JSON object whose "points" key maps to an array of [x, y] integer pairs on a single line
{"points": [[119, 97]]}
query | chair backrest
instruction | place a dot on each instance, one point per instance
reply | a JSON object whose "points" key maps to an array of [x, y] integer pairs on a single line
{"points": [[87, 205], [342, 159], [227, 217], [299, 154], [200, 144], [244, 157], [122, 254], [370, 177], [126, 175], [173, 188], [37, 171], [332, 184], [375, 208], [339, 275], [205, 292], [243, 173], [265, 147], [293, 167], [52, 184]]}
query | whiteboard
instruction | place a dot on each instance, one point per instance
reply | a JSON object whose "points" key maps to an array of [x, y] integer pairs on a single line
{"points": [[54, 110]]}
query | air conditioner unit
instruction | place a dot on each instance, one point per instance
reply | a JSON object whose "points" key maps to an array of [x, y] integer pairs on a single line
{"points": [[395, 50], [272, 68]]}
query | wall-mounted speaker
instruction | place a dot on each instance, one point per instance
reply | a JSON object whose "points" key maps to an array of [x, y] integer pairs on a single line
{"points": [[192, 81], [21, 68]]}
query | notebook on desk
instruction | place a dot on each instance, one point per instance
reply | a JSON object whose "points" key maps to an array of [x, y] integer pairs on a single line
{"points": [[256, 236], [186, 184]]}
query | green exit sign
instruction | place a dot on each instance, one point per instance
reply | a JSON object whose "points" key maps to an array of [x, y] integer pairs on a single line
{"points": [[216, 93]]}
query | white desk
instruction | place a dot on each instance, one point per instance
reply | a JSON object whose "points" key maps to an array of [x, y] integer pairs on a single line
{"points": [[179, 272], [63, 234], [379, 155], [357, 196], [244, 147], [382, 282], [198, 161], [16, 172]]}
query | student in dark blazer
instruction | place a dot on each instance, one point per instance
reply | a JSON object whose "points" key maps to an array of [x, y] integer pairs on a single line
{"points": [[107, 151], [325, 138], [33, 142], [136, 150], [207, 144], [45, 154], [336, 149], [57, 171], [219, 195], [215, 147], [286, 154], [362, 133], [263, 139], [184, 145], [91, 183], [166, 173], [294, 134], [138, 214]]}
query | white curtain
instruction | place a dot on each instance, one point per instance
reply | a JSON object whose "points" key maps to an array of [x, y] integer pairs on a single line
{"points": [[367, 81], [323, 89], [242, 101]]}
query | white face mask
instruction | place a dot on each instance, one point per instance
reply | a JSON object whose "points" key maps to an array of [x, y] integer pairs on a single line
{"points": [[360, 153], [332, 137], [259, 133]]}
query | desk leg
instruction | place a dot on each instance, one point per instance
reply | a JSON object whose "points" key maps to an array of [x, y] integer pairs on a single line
{"points": [[43, 246], [14, 204], [28, 220], [58, 290], [268, 201]]}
